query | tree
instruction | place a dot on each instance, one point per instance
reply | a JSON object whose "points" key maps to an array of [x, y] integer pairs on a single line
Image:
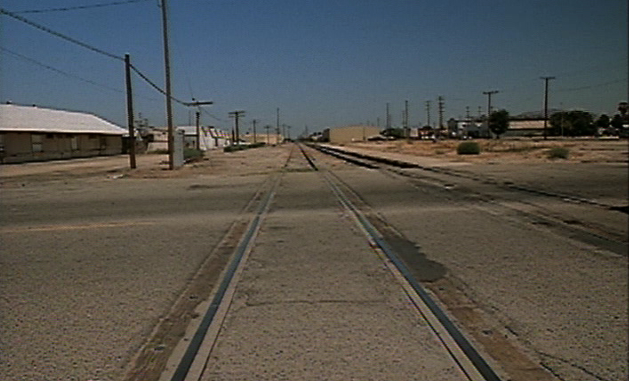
{"points": [[602, 125], [617, 121], [498, 122], [572, 123], [623, 107], [396, 133], [602, 121]]}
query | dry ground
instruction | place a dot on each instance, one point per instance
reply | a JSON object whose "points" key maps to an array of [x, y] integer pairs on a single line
{"points": [[216, 162], [512, 150]]}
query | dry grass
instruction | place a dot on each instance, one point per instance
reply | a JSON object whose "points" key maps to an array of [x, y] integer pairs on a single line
{"points": [[511, 150]]}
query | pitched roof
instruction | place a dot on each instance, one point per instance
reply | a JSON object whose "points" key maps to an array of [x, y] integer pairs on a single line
{"points": [[35, 119]]}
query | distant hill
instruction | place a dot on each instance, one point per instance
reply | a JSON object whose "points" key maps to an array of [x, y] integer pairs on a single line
{"points": [[536, 114]]}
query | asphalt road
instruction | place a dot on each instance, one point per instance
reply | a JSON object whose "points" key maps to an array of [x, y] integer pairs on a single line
{"points": [[90, 265]]}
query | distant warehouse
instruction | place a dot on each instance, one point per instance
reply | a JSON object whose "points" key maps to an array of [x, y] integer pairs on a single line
{"points": [[348, 134], [29, 133]]}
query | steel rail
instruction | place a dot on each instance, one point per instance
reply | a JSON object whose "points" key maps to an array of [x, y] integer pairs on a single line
{"points": [[350, 157], [461, 341], [244, 245], [592, 235]]}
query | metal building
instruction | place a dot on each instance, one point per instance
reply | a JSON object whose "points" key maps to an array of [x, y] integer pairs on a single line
{"points": [[30, 133], [347, 134]]}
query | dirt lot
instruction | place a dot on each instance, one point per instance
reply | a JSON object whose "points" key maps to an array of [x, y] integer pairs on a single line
{"points": [[216, 162], [240, 163], [512, 150]]}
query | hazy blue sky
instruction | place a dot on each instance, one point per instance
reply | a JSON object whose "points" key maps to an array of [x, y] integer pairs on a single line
{"points": [[323, 63]]}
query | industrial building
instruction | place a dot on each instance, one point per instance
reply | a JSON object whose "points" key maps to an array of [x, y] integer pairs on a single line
{"points": [[270, 139], [208, 137], [525, 127], [348, 134], [30, 133]]}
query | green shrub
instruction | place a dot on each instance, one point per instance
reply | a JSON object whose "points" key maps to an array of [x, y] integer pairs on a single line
{"points": [[468, 148], [233, 148], [558, 153], [161, 151], [243, 146], [192, 154]]}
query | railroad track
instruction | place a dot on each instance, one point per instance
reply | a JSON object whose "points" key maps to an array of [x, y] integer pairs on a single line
{"points": [[190, 361], [376, 162], [512, 193]]}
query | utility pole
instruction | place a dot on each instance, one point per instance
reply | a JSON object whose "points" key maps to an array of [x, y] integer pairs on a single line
{"points": [[196, 103], [236, 115], [388, 120], [254, 131], [169, 106], [440, 105], [130, 123], [268, 136], [467, 112], [277, 123], [489, 94], [546, 79], [428, 113], [197, 120], [407, 130]]}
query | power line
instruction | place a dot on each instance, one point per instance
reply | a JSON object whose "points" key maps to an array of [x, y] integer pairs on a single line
{"points": [[89, 47], [212, 116], [156, 87], [79, 7], [31, 60], [592, 86], [60, 35]]}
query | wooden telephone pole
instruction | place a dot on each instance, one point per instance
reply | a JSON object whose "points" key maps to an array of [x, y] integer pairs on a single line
{"points": [[489, 94], [130, 123], [236, 115], [546, 79], [255, 139]]}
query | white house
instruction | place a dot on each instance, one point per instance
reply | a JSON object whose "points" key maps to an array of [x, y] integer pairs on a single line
{"points": [[30, 133], [208, 137]]}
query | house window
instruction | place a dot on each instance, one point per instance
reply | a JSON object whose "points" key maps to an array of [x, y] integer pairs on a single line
{"points": [[74, 143], [37, 142]]}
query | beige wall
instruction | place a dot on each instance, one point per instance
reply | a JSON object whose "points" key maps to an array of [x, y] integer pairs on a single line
{"points": [[20, 147], [352, 133], [263, 138]]}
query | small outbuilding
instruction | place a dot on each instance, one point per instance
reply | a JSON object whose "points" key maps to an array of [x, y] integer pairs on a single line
{"points": [[525, 127], [30, 133], [208, 137]]}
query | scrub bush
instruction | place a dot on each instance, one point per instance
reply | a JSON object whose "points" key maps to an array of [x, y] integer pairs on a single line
{"points": [[558, 153], [468, 148]]}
